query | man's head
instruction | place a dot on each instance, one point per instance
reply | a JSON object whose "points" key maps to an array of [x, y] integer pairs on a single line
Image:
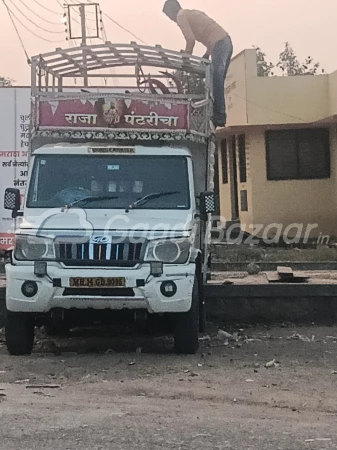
{"points": [[171, 9]]}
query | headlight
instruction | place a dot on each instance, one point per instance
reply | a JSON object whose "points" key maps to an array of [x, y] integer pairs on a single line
{"points": [[32, 248], [169, 251]]}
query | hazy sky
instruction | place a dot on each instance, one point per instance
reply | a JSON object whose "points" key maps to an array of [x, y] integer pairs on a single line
{"points": [[310, 26]]}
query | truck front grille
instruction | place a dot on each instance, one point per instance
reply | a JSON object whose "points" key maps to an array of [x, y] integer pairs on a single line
{"points": [[88, 254]]}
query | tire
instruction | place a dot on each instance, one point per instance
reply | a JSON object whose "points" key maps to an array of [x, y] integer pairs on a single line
{"points": [[19, 332], [186, 338]]}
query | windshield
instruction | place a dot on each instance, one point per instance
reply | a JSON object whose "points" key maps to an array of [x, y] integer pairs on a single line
{"points": [[110, 182]]}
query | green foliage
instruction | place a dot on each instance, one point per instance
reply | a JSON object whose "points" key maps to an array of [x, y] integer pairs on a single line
{"points": [[5, 81], [264, 68], [288, 63]]}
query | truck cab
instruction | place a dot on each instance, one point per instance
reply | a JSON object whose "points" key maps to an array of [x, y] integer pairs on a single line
{"points": [[117, 211]]}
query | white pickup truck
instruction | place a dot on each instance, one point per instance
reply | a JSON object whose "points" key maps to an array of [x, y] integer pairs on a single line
{"points": [[117, 212]]}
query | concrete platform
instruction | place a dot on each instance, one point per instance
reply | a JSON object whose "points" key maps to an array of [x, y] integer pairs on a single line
{"points": [[251, 299]]}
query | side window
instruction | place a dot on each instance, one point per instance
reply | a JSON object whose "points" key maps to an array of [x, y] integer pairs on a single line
{"points": [[242, 158], [298, 154], [224, 161]]}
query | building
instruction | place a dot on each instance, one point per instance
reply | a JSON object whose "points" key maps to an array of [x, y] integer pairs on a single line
{"points": [[278, 153]]}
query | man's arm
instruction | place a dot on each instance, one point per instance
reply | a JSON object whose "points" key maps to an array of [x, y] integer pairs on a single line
{"points": [[185, 27]]}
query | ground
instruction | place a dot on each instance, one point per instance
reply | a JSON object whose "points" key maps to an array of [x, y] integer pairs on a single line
{"points": [[99, 391]]}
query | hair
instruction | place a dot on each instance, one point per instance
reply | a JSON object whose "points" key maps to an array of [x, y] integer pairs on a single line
{"points": [[171, 8]]}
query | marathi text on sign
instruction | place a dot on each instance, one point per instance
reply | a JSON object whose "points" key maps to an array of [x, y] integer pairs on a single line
{"points": [[113, 112]]}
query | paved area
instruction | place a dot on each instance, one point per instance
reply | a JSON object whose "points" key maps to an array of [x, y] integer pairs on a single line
{"points": [[102, 390]]}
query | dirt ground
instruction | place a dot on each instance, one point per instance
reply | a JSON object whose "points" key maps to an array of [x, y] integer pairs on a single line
{"points": [[94, 390]]}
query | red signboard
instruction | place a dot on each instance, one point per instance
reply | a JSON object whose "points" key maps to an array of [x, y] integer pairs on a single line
{"points": [[114, 113], [6, 241]]}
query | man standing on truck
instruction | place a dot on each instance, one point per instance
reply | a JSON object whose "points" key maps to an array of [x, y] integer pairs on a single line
{"points": [[197, 26]]}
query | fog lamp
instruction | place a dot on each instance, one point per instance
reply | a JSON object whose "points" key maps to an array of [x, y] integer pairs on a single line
{"points": [[168, 289], [29, 289]]}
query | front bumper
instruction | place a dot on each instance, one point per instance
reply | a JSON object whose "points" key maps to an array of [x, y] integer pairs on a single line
{"points": [[148, 297]]}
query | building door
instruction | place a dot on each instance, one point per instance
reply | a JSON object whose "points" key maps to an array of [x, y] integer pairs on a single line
{"points": [[234, 181], [216, 184]]}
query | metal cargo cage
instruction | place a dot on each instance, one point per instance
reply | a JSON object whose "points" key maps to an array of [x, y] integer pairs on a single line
{"points": [[121, 92]]}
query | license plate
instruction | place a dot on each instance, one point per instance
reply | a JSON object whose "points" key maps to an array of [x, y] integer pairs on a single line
{"points": [[97, 282]]}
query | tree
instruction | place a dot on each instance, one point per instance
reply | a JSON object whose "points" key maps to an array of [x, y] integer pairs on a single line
{"points": [[264, 68], [291, 66], [5, 81], [310, 67], [288, 63]]}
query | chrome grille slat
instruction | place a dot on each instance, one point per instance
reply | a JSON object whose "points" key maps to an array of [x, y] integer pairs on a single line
{"points": [[126, 251], [92, 253]]}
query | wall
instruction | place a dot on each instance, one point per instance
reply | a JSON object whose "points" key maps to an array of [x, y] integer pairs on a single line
{"points": [[291, 201], [276, 100], [333, 93], [285, 100], [236, 87]]}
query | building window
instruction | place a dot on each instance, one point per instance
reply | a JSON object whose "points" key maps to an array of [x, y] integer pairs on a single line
{"points": [[242, 158], [244, 200], [224, 161], [298, 154]]}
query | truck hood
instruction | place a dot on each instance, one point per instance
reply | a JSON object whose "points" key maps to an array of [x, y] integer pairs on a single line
{"points": [[38, 221]]}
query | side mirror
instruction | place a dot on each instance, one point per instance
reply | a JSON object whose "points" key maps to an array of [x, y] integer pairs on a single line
{"points": [[12, 200], [207, 203]]}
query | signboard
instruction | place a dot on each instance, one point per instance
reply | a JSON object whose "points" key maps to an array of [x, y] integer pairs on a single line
{"points": [[112, 112], [14, 142]]}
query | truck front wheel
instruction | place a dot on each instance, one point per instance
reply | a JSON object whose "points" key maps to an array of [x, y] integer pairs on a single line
{"points": [[186, 338], [19, 333]]}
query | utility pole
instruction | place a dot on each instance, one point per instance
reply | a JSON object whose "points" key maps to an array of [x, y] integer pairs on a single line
{"points": [[84, 42], [74, 13]]}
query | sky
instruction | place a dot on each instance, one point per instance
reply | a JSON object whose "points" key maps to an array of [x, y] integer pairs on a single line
{"points": [[309, 25]]}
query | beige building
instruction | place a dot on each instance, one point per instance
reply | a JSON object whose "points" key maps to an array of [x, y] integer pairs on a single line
{"points": [[278, 153]]}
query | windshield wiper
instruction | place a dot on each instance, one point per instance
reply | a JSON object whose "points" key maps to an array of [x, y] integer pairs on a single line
{"points": [[147, 198], [91, 199]]}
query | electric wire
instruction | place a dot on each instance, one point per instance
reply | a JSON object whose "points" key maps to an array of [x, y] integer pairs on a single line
{"points": [[267, 108], [30, 31], [44, 7], [32, 22], [17, 31], [125, 29], [38, 15], [12, 16]]}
